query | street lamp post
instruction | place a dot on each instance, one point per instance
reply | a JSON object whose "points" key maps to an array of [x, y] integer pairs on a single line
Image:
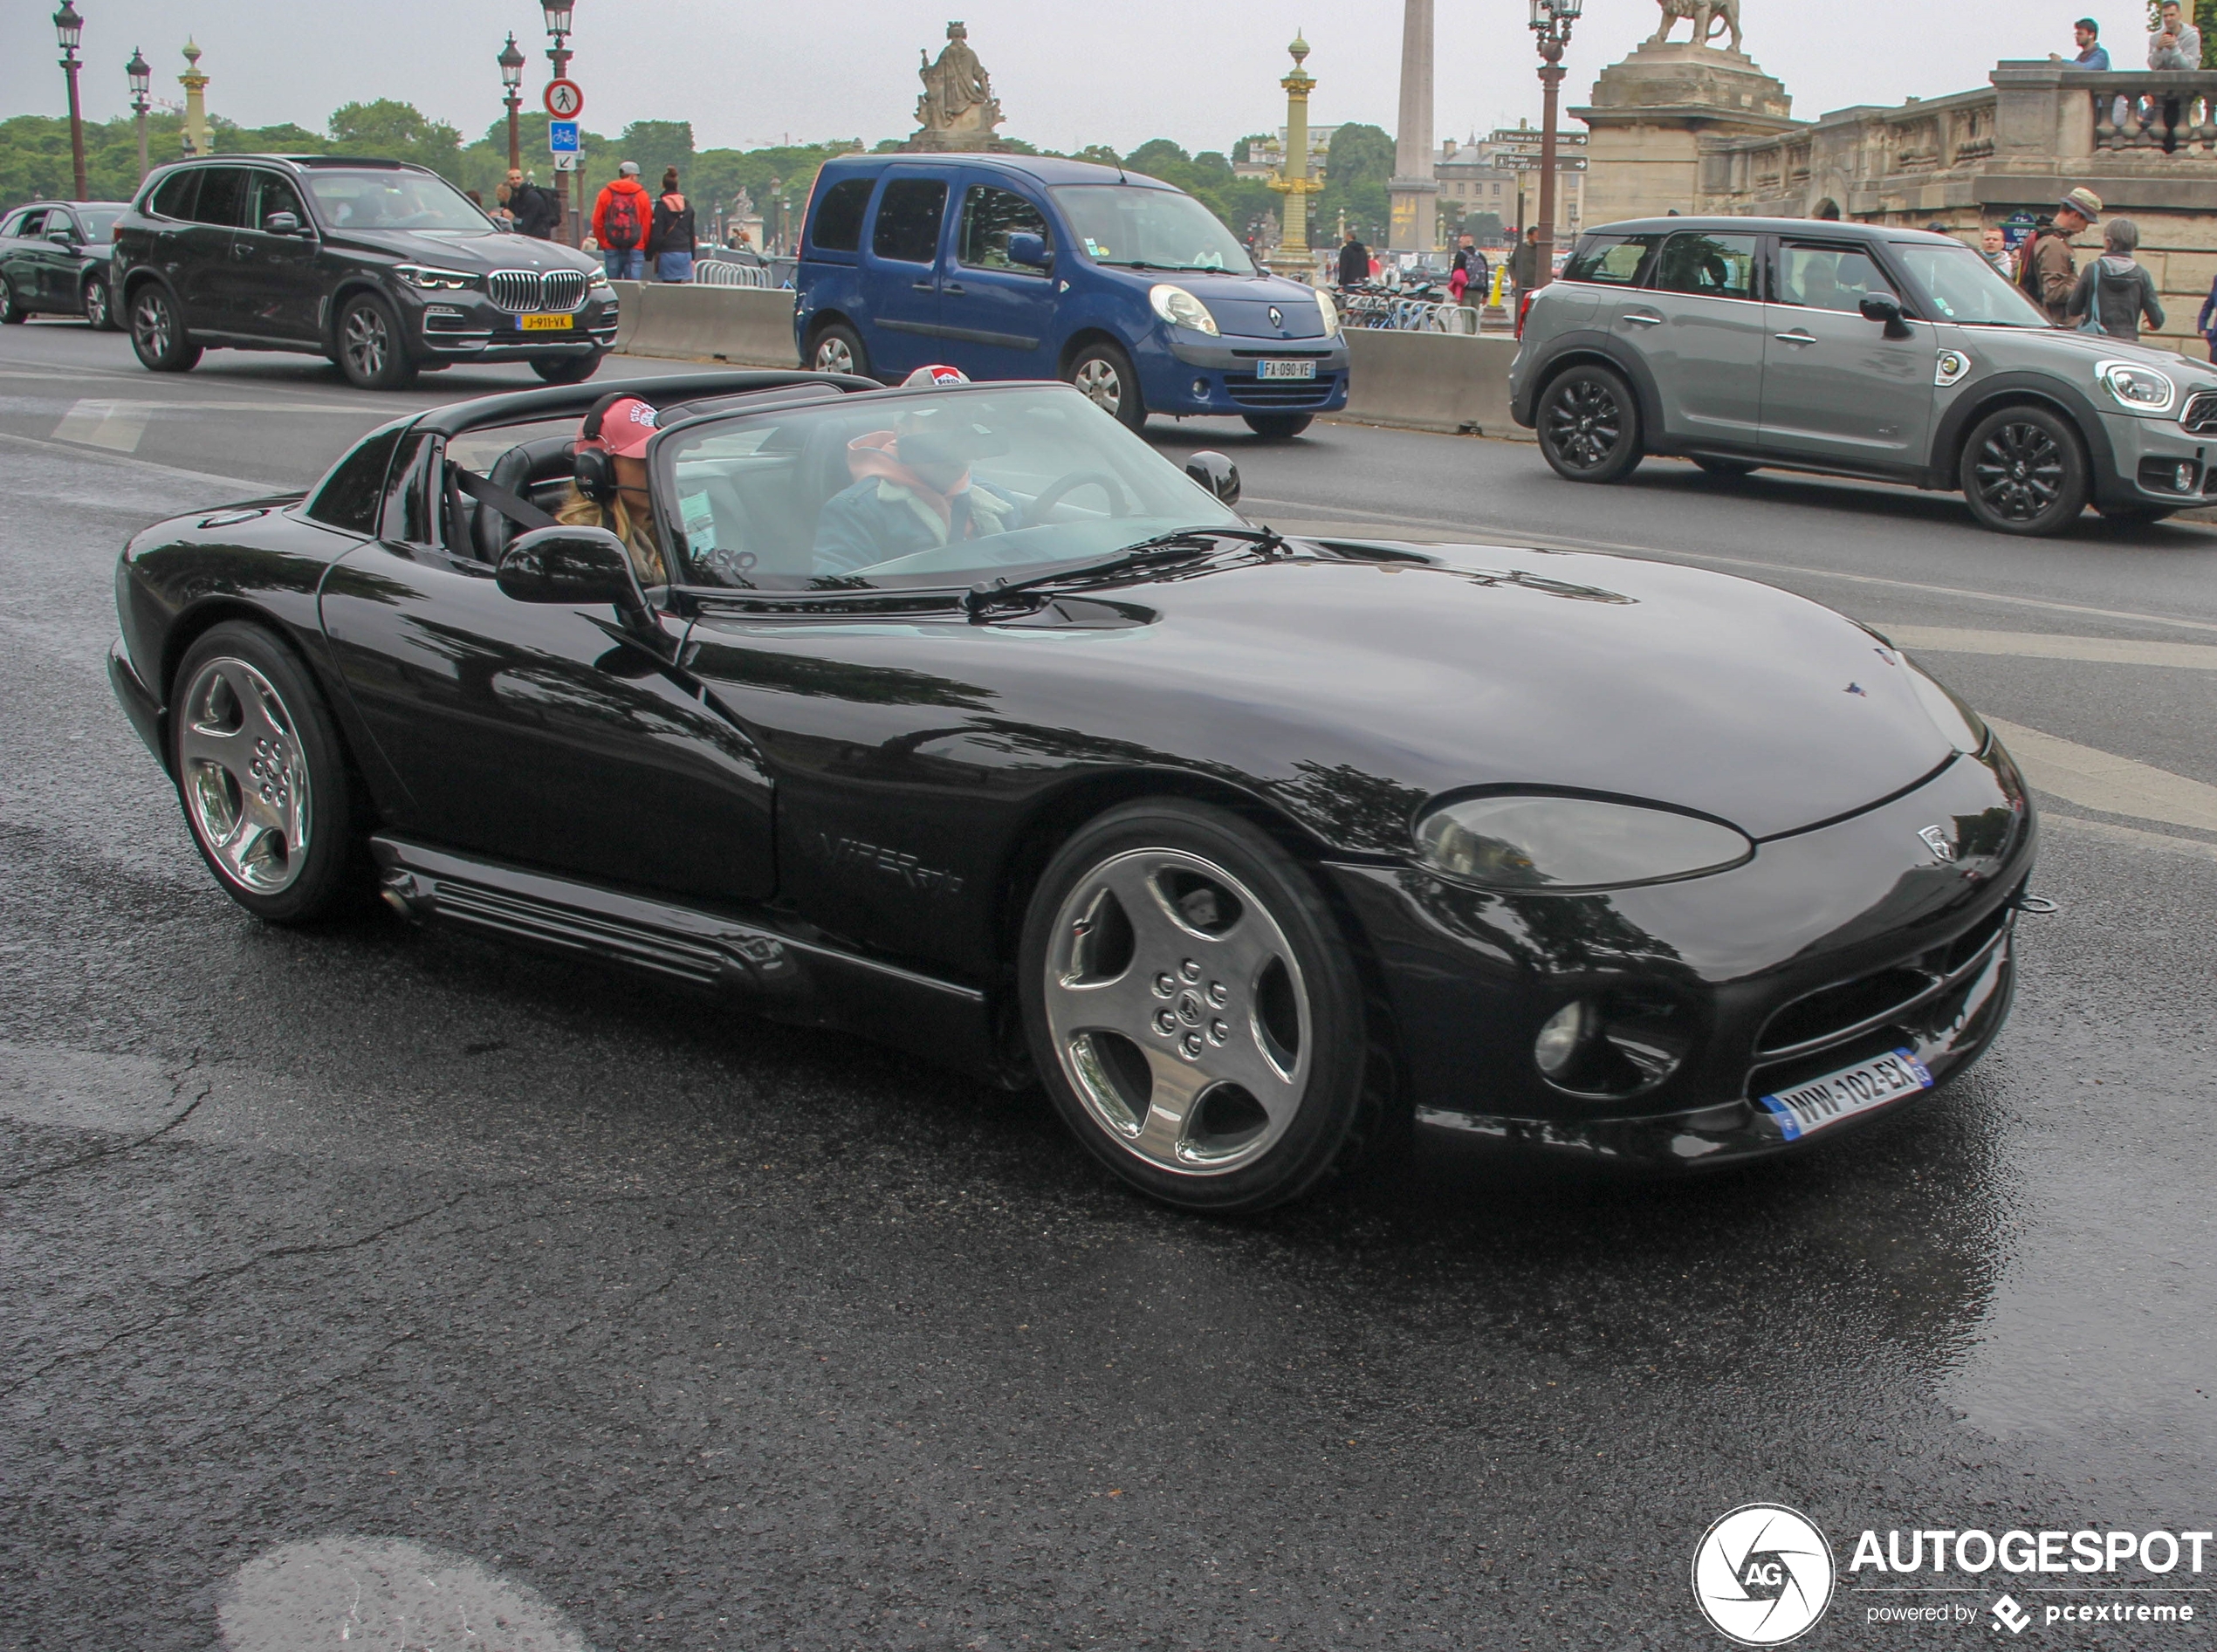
{"points": [[141, 73], [559, 54], [69, 28], [1551, 21], [511, 80]]}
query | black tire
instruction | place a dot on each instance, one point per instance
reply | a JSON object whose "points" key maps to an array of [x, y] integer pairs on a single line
{"points": [[1104, 371], [1589, 425], [1279, 427], [1280, 972], [1726, 469], [2024, 471], [836, 348], [373, 352], [568, 369], [12, 315], [226, 740], [98, 302], [158, 335]]}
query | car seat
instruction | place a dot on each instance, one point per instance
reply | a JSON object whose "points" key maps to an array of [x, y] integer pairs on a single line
{"points": [[527, 470]]}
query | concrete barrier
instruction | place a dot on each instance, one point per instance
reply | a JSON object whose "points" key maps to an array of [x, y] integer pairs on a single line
{"points": [[626, 311], [1431, 381], [745, 326]]}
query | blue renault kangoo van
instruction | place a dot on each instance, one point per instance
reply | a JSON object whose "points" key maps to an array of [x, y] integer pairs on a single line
{"points": [[1025, 267]]}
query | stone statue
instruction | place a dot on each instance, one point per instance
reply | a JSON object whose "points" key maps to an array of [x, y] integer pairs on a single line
{"points": [[957, 104], [1706, 16]]}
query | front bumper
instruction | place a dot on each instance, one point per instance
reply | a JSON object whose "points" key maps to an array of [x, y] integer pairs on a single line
{"points": [[468, 326], [138, 702], [1828, 949], [1184, 374], [2146, 456]]}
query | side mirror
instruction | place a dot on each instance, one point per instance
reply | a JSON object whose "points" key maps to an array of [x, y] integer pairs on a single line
{"points": [[61, 237], [577, 566], [1216, 473], [1884, 306], [281, 223], [1030, 250]]}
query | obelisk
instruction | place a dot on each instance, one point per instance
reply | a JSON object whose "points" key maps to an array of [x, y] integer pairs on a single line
{"points": [[1415, 189]]}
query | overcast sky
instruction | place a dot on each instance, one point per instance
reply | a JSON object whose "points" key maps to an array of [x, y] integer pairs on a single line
{"points": [[747, 73]]}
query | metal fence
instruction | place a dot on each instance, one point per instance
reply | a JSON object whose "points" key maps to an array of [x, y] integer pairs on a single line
{"points": [[1386, 314], [717, 272]]}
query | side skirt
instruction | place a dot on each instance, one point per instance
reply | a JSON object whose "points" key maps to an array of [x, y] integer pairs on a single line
{"points": [[782, 975]]}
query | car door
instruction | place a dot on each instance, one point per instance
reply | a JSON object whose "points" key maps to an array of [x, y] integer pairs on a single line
{"points": [[540, 733], [1700, 327], [20, 246], [272, 288], [901, 270], [997, 317], [58, 261], [202, 249], [1836, 387]]}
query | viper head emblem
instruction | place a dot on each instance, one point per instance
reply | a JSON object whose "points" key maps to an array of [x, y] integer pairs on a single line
{"points": [[1936, 840]]}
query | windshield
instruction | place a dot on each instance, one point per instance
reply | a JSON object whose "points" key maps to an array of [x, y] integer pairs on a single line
{"points": [[1143, 229], [938, 489], [383, 199], [99, 222], [1963, 287]]}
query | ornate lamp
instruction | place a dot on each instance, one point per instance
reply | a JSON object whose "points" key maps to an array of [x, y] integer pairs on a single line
{"points": [[1551, 21], [511, 80], [141, 76], [69, 28]]}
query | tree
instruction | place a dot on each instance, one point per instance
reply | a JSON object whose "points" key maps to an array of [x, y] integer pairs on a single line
{"points": [[1357, 169], [1158, 157], [393, 131]]}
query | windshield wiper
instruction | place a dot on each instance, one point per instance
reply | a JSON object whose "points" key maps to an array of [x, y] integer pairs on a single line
{"points": [[1174, 269], [1182, 544]]}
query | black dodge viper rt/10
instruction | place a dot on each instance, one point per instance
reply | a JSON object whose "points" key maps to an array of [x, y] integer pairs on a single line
{"points": [[957, 716]]}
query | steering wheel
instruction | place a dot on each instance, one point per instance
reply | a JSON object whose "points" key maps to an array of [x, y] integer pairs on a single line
{"points": [[1062, 486]]}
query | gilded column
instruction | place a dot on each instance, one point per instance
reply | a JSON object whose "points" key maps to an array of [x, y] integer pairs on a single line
{"points": [[195, 86], [1293, 181]]}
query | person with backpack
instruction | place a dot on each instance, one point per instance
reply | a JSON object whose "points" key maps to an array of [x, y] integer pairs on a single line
{"points": [[2046, 270], [532, 210], [2115, 290], [620, 216], [670, 239]]}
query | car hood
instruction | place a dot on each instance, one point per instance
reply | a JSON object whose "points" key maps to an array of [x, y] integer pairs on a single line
{"points": [[2091, 347], [474, 250], [1242, 305], [1489, 666]]}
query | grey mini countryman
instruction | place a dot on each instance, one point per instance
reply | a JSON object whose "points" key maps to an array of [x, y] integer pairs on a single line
{"points": [[1856, 350]]}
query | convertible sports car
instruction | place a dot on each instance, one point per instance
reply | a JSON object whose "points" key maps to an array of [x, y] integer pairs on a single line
{"points": [[959, 717]]}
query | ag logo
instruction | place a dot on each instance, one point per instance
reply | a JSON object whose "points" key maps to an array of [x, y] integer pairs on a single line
{"points": [[1935, 840], [1763, 1574]]}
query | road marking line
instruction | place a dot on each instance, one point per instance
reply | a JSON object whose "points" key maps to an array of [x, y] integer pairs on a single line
{"points": [[249, 490], [2041, 645], [115, 425], [2133, 835], [2102, 780]]}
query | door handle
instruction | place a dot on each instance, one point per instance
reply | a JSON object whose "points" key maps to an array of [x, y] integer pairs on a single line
{"points": [[1641, 318], [1794, 337], [954, 286], [921, 286]]}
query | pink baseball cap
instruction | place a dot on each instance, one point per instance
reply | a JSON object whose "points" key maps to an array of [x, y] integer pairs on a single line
{"points": [[626, 427]]}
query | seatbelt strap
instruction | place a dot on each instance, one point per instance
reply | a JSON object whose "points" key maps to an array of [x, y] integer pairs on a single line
{"points": [[518, 510]]}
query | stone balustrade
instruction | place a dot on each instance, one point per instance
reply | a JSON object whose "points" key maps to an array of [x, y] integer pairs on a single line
{"points": [[2170, 113]]}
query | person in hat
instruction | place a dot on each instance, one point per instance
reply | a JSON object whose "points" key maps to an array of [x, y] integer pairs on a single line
{"points": [[2047, 272], [620, 428], [912, 491], [621, 216]]}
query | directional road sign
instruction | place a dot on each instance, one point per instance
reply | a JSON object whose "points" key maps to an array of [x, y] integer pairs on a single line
{"points": [[561, 137], [566, 163], [565, 99]]}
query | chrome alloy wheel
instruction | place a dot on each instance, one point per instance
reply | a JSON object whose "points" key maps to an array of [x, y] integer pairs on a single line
{"points": [[832, 354], [2019, 471], [366, 341], [245, 779], [1179, 1011], [1101, 381], [96, 303], [152, 325], [1585, 424]]}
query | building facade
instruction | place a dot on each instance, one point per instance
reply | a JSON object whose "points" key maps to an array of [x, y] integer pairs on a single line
{"points": [[1499, 173]]}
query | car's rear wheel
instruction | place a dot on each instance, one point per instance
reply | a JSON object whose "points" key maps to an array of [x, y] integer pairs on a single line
{"points": [[98, 310], [2024, 471], [262, 775], [158, 335], [371, 352], [566, 369], [1193, 1009], [838, 348], [1279, 427], [12, 315], [1726, 469], [1589, 426], [1104, 371]]}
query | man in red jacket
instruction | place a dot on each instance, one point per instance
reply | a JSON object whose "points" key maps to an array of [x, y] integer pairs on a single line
{"points": [[621, 219]]}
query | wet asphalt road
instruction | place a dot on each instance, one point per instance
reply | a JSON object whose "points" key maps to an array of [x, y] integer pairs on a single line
{"points": [[689, 1331]]}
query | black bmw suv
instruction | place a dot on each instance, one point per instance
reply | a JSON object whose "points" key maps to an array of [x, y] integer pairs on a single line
{"points": [[384, 267]]}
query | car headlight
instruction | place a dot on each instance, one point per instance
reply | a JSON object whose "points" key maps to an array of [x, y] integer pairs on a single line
{"points": [[431, 280], [2141, 389], [1181, 309], [1565, 844], [1331, 313], [600, 279]]}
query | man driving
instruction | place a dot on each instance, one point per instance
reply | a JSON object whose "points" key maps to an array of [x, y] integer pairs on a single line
{"points": [[912, 491]]}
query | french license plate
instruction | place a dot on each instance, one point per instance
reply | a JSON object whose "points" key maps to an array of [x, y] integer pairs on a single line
{"points": [[544, 323], [1811, 1107], [1285, 369]]}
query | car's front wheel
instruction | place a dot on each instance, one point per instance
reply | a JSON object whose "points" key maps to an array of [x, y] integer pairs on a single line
{"points": [[566, 369], [262, 776], [371, 352], [838, 349], [1279, 427], [1104, 371], [2024, 471], [12, 315], [1589, 426], [158, 335], [1194, 1011], [98, 309]]}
